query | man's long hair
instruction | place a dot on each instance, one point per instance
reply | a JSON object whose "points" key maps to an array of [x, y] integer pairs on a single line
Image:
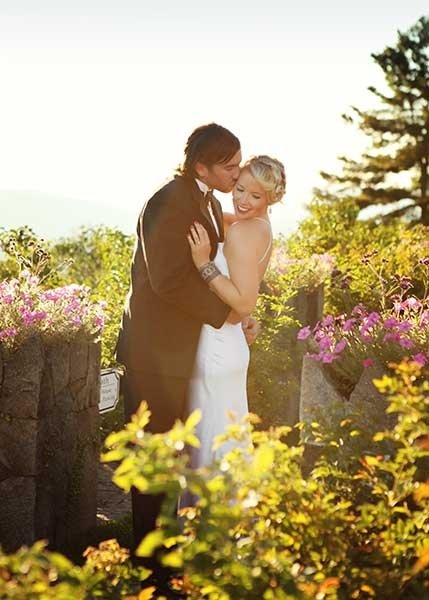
{"points": [[209, 144]]}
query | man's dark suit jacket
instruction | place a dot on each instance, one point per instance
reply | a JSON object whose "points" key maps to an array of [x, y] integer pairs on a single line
{"points": [[168, 302]]}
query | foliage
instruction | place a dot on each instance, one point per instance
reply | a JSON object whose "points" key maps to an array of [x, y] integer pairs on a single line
{"points": [[98, 258], [364, 337], [56, 314], [101, 261], [305, 273], [395, 167], [394, 249], [41, 575], [262, 530]]}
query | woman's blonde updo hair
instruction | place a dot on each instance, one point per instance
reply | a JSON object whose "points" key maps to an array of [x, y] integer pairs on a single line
{"points": [[270, 174]]}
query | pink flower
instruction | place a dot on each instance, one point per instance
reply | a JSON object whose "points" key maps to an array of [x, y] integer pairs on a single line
{"points": [[368, 362], [8, 299], [359, 310], [373, 318], [328, 357], [420, 359], [391, 337], [339, 347], [405, 326], [365, 337], [304, 333], [29, 317], [424, 319], [406, 342], [412, 303], [390, 322], [328, 320], [325, 343], [99, 322], [8, 333], [348, 325]]}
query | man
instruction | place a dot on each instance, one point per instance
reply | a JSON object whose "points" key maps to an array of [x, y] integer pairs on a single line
{"points": [[168, 302]]}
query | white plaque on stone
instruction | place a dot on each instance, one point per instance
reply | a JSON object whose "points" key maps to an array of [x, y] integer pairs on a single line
{"points": [[109, 390]]}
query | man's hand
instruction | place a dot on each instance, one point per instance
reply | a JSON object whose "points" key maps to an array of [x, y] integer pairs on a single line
{"points": [[251, 329]]}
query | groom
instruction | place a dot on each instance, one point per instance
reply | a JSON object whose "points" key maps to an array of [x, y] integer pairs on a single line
{"points": [[168, 302]]}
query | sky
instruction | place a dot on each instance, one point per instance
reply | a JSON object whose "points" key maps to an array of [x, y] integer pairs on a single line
{"points": [[98, 97]]}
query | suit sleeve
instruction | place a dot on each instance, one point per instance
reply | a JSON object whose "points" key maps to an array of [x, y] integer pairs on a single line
{"points": [[172, 274]]}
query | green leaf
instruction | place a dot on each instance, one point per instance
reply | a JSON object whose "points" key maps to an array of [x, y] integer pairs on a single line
{"points": [[150, 542]]}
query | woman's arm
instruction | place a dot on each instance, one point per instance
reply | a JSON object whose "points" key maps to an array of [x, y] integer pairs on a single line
{"points": [[245, 245]]}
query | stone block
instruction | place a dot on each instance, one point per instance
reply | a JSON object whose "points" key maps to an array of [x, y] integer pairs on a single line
{"points": [[18, 496], [20, 388], [317, 393], [18, 444]]}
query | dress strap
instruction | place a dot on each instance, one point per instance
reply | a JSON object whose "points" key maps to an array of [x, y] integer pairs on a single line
{"points": [[271, 237], [269, 243]]}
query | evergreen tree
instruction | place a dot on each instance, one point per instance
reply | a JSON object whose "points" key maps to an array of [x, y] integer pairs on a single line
{"points": [[394, 167]]}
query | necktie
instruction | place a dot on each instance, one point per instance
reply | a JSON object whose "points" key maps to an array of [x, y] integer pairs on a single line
{"points": [[209, 199]]}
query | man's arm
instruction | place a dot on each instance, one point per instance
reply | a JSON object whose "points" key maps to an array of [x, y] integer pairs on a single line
{"points": [[172, 274]]}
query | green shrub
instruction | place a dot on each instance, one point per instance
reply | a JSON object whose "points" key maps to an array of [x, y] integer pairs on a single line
{"points": [[263, 530]]}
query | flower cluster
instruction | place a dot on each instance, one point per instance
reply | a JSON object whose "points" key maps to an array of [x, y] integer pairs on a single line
{"points": [[303, 273], [61, 313], [391, 334]]}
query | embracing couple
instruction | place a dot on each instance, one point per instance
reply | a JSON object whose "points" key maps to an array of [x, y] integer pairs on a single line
{"points": [[195, 278]]}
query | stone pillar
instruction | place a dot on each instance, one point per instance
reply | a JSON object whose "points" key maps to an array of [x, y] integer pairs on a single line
{"points": [[48, 443], [308, 310]]}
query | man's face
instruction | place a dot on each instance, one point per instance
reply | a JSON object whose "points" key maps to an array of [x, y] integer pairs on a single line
{"points": [[221, 177]]}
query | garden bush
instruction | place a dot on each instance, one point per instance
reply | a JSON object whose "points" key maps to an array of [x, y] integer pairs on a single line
{"points": [[262, 530]]}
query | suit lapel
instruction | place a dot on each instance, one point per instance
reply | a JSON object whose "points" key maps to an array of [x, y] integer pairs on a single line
{"points": [[201, 203], [204, 210]]}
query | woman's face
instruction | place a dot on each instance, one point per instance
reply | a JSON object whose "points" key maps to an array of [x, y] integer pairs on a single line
{"points": [[249, 197]]}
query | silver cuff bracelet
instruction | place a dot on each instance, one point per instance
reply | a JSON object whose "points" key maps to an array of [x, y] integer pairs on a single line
{"points": [[209, 271]]}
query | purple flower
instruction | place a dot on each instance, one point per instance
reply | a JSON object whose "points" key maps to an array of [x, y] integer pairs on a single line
{"points": [[368, 362], [424, 319], [99, 322], [304, 333], [405, 326], [348, 325], [373, 318], [319, 335], [359, 310], [391, 337], [412, 303], [30, 317], [328, 357], [390, 322], [406, 342], [328, 320], [8, 332], [325, 343], [420, 358], [7, 299], [339, 347]]}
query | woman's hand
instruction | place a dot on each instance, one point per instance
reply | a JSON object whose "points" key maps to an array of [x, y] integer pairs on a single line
{"points": [[199, 242]]}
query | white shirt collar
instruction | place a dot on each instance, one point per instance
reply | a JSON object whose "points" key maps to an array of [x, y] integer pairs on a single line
{"points": [[203, 187]]}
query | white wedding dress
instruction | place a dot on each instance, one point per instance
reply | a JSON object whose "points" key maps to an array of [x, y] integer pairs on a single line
{"points": [[218, 383]]}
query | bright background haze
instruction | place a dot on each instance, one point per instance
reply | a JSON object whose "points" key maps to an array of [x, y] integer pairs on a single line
{"points": [[98, 96]]}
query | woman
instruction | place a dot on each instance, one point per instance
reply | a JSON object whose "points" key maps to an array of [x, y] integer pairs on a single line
{"points": [[218, 384]]}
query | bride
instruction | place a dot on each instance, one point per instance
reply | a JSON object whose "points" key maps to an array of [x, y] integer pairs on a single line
{"points": [[218, 383]]}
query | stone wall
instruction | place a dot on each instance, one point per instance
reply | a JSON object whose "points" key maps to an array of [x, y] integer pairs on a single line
{"points": [[48, 443], [320, 396]]}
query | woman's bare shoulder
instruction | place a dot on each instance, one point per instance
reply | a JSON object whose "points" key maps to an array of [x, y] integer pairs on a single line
{"points": [[252, 233]]}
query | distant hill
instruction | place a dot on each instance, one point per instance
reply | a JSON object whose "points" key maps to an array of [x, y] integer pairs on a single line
{"points": [[56, 216]]}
